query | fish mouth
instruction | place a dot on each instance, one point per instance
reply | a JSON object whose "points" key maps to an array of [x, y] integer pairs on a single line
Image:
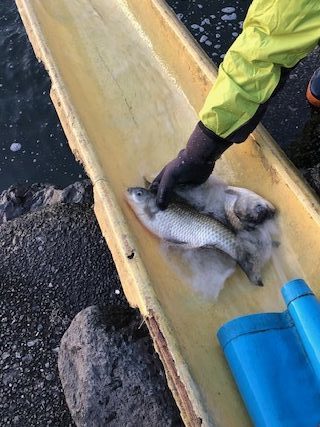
{"points": [[128, 195]]}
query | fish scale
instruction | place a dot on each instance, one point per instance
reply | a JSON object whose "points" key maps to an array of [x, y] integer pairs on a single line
{"points": [[177, 224]]}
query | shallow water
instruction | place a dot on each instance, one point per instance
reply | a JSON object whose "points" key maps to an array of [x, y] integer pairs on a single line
{"points": [[33, 146]]}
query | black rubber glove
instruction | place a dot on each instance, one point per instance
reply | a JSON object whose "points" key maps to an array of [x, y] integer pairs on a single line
{"points": [[193, 165]]}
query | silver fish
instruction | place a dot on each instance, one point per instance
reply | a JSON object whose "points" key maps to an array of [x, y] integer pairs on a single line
{"points": [[183, 225]]}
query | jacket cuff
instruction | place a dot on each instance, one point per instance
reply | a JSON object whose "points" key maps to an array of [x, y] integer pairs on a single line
{"points": [[210, 134], [205, 145]]}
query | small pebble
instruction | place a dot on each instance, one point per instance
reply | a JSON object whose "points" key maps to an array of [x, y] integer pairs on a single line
{"points": [[15, 146], [231, 17], [205, 21], [16, 419], [228, 9]]}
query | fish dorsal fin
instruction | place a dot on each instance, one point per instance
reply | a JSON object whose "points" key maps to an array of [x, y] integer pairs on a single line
{"points": [[146, 182]]}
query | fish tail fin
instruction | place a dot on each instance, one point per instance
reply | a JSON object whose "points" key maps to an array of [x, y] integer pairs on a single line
{"points": [[254, 250], [252, 269]]}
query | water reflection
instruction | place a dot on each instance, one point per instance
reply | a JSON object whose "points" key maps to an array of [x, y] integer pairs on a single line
{"points": [[33, 145]]}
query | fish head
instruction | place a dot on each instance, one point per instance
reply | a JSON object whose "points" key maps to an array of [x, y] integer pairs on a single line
{"points": [[249, 208], [141, 200]]}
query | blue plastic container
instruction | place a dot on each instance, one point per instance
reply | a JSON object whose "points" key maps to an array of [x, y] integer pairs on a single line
{"points": [[275, 360]]}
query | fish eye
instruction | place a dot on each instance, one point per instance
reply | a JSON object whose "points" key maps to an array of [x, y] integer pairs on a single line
{"points": [[139, 193]]}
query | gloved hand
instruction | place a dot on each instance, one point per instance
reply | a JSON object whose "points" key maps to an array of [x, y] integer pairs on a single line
{"points": [[193, 165]]}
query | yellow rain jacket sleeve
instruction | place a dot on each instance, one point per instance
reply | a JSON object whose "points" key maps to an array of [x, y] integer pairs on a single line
{"points": [[276, 33]]}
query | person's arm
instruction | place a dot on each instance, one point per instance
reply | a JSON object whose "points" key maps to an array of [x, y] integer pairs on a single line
{"points": [[276, 35]]}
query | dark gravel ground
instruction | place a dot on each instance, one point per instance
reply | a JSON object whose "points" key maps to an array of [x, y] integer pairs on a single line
{"points": [[54, 263]]}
